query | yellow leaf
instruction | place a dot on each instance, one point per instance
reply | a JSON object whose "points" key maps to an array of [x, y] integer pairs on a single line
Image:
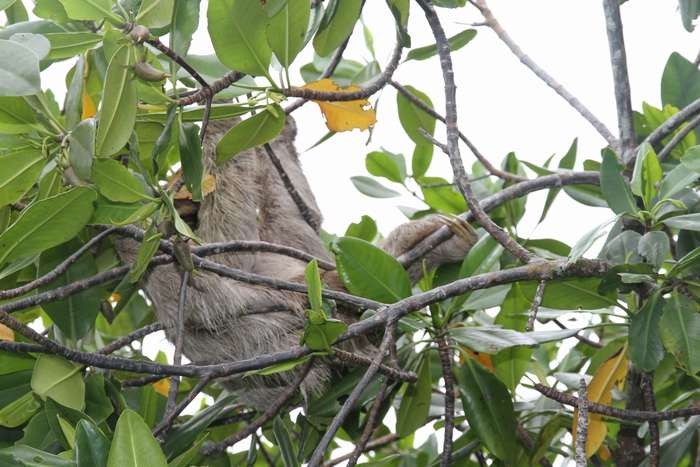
{"points": [[89, 108], [6, 334], [483, 358], [115, 297], [208, 186], [162, 386], [611, 374], [343, 115]]}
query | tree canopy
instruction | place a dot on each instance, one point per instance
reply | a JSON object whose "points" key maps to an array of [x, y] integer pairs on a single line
{"points": [[478, 364]]}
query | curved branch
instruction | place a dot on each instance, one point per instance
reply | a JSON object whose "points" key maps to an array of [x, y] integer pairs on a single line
{"points": [[673, 122]]}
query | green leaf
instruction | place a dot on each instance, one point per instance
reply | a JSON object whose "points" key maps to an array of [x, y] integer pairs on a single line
{"points": [[37, 43], [313, 283], [191, 158], [320, 332], [370, 272], [155, 13], [491, 339], [337, 24], [16, 116], [59, 379], [18, 172], [284, 442], [26, 456], [107, 212], [286, 30], [81, 150], [19, 70], [442, 196], [647, 174], [654, 247], [370, 187], [616, 190], [689, 261], [489, 409], [91, 445], [566, 162], [689, 11], [366, 229], [47, 223], [117, 114], [680, 82], [421, 159], [388, 165], [116, 183], [133, 444], [90, 10], [237, 30], [412, 118], [680, 331], [20, 410], [69, 44], [646, 350], [686, 222], [255, 131], [184, 25], [455, 42], [149, 247], [415, 402]]}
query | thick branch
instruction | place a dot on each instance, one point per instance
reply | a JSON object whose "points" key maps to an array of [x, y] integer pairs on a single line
{"points": [[446, 362], [673, 122]]}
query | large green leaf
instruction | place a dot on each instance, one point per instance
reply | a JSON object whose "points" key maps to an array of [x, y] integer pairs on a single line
{"points": [[491, 340], [18, 172], [456, 42], [647, 174], [26, 456], [155, 13], [255, 131], [16, 116], [191, 159], [19, 70], [287, 29], [680, 331], [337, 25], [575, 293], [385, 164], [118, 109], [370, 272], [59, 379], [237, 30], [69, 44], [370, 187], [116, 183], [412, 118], [442, 196], [20, 410], [489, 409], [680, 82], [646, 350], [185, 22], [90, 10], [686, 222], [615, 188], [47, 223], [133, 444], [91, 445], [284, 442], [415, 402]]}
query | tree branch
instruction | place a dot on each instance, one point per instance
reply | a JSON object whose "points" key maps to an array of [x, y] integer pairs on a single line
{"points": [[582, 425], [446, 363]]}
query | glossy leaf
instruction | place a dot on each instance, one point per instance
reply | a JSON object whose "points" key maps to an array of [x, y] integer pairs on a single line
{"points": [[18, 172], [155, 13], [370, 187], [385, 164], [17, 412], [337, 25], [47, 223], [91, 445], [412, 118], [19, 70], [255, 131], [27, 456], [184, 25], [237, 30], [609, 375], [415, 402], [370, 272], [118, 109], [616, 190], [646, 350], [455, 42], [133, 444], [286, 30], [489, 409], [116, 183], [366, 229], [680, 331], [60, 380]]}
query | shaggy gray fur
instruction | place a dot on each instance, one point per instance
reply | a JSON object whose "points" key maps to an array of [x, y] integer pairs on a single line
{"points": [[228, 320]]}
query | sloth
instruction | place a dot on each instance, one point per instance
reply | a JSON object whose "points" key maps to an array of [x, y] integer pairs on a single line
{"points": [[226, 320]]}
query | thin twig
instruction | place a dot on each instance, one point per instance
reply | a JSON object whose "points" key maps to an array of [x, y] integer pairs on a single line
{"points": [[353, 359], [622, 414], [582, 425], [143, 381], [59, 269], [370, 425], [302, 206], [317, 456], [623, 94], [460, 174], [579, 337], [673, 122], [129, 338], [647, 387], [446, 363], [492, 169], [572, 100], [536, 302], [266, 416], [678, 138], [173, 412], [371, 445], [214, 88]]}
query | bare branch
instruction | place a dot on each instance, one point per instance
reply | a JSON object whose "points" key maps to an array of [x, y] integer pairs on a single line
{"points": [[129, 338], [371, 445], [582, 425], [173, 412], [678, 138], [370, 425], [349, 358], [446, 363], [536, 302], [673, 122], [647, 387]]}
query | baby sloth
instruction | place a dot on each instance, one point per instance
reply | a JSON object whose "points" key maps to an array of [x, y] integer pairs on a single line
{"points": [[226, 320]]}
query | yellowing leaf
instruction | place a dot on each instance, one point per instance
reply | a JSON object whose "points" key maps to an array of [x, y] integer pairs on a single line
{"points": [[611, 374], [89, 108], [208, 186], [6, 334], [481, 357], [162, 386], [343, 115]]}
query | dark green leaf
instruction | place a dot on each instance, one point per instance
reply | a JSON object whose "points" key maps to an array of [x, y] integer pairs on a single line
{"points": [[386, 164], [284, 442], [686, 222], [455, 42], [191, 158], [370, 187], [415, 402], [412, 117], [255, 131], [654, 247], [26, 456], [91, 445], [442, 196], [680, 331], [366, 229], [370, 272], [133, 444], [116, 183], [646, 350], [680, 82], [337, 25], [286, 30], [149, 247], [185, 22], [615, 188]]}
